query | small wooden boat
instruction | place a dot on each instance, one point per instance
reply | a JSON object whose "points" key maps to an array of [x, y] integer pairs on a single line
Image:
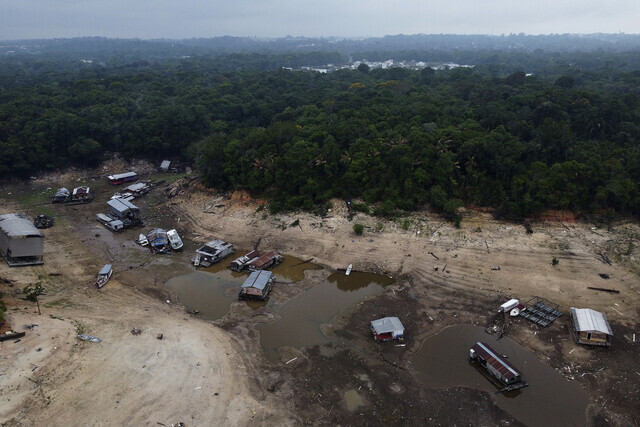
{"points": [[348, 272], [104, 275]]}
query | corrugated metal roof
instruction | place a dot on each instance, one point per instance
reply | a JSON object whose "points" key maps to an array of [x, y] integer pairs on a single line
{"points": [[17, 225], [387, 325], [258, 280], [588, 320], [505, 368], [165, 164], [122, 205]]}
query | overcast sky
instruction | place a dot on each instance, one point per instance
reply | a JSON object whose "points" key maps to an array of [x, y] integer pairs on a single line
{"points": [[28, 19]]}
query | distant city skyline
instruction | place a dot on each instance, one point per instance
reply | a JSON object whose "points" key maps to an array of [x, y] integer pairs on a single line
{"points": [[147, 19]]}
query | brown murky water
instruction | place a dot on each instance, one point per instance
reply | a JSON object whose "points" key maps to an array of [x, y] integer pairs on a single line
{"points": [[549, 400], [211, 290], [301, 318]]}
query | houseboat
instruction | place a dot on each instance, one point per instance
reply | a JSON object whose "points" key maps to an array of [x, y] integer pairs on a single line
{"points": [[507, 376], [104, 275], [265, 261], [257, 286], [81, 194], [158, 241], [121, 178], [387, 329], [212, 252], [239, 263]]}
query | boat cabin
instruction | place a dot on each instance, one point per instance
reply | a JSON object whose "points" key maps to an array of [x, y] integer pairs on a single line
{"points": [[591, 327], [212, 252]]}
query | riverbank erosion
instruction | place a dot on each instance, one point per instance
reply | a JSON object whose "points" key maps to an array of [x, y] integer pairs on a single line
{"points": [[206, 371]]}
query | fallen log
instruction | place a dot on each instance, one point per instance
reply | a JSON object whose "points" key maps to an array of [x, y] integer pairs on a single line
{"points": [[611, 291], [12, 335]]}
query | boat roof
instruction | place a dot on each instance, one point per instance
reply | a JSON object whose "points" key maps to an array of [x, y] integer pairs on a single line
{"points": [[258, 280], [122, 205], [386, 325], [106, 269]]}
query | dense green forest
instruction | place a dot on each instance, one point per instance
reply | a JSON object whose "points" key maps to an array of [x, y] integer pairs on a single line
{"points": [[564, 137]]}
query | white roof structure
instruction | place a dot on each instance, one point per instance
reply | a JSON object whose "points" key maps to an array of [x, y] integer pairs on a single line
{"points": [[388, 325], [588, 320], [18, 225]]}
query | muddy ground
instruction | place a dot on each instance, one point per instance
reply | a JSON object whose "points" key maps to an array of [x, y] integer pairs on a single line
{"points": [[205, 372]]}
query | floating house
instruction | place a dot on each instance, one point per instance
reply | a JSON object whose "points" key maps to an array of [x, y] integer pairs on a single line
{"points": [[21, 243], [257, 286], [158, 241], [138, 189], [121, 178], [212, 252], [125, 211], [63, 195], [387, 329], [81, 194], [590, 327], [265, 261], [497, 366], [239, 263], [109, 222]]}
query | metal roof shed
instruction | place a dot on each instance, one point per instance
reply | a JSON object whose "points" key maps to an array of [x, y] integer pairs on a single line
{"points": [[387, 328], [590, 327], [257, 286], [21, 242], [121, 207]]}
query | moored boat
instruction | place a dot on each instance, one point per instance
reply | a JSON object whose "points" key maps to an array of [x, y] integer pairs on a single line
{"points": [[348, 272]]}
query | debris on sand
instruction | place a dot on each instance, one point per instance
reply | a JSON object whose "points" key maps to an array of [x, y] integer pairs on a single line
{"points": [[136, 331]]}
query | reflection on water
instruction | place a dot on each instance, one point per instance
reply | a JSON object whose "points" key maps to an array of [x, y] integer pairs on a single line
{"points": [[301, 317], [549, 400]]}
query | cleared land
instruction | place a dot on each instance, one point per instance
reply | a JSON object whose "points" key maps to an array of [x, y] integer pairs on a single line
{"points": [[205, 372]]}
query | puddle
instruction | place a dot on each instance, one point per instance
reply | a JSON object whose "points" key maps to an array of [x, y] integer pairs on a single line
{"points": [[353, 400], [550, 399], [211, 294], [211, 290], [302, 317], [291, 269]]}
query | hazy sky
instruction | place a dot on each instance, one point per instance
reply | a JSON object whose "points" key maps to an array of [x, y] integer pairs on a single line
{"points": [[20, 19]]}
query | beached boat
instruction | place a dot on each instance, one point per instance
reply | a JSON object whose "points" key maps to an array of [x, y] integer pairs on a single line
{"points": [[174, 240], [104, 275], [348, 272], [142, 240], [84, 337]]}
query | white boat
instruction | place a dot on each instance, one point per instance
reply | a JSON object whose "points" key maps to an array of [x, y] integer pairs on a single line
{"points": [[348, 272], [88, 338], [515, 312], [142, 240], [104, 275], [174, 240]]}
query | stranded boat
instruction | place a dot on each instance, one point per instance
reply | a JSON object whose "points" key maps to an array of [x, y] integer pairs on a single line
{"points": [[104, 275], [348, 272], [174, 240]]}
